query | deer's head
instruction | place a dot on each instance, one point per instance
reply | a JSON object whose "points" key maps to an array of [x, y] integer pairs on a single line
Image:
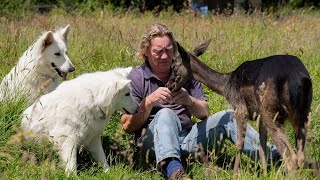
{"points": [[182, 66]]}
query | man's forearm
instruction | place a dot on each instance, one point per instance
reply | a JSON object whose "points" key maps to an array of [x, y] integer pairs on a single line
{"points": [[199, 108], [131, 123]]}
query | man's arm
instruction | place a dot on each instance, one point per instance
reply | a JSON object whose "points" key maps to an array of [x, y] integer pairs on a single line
{"points": [[131, 123], [199, 108]]}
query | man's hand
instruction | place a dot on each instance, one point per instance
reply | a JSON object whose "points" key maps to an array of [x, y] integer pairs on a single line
{"points": [[198, 108], [159, 96], [182, 97]]}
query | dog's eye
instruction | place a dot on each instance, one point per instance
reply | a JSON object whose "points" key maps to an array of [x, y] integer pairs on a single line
{"points": [[57, 54], [127, 94]]}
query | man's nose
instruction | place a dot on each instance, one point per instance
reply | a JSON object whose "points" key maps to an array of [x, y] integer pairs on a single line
{"points": [[164, 55]]}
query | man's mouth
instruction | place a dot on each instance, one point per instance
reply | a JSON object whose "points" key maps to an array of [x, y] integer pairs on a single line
{"points": [[61, 74], [165, 62]]}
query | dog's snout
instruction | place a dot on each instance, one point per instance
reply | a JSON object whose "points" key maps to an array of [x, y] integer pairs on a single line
{"points": [[72, 69]]}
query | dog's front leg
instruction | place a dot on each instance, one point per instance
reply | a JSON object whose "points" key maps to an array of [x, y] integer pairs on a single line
{"points": [[97, 152], [69, 156]]}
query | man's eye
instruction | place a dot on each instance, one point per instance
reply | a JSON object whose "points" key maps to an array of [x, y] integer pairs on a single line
{"points": [[158, 50], [57, 54], [169, 48]]}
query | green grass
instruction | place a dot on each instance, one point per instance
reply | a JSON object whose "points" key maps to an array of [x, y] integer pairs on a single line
{"points": [[98, 43]]}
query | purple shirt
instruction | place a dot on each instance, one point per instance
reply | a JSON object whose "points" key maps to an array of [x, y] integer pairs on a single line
{"points": [[144, 82]]}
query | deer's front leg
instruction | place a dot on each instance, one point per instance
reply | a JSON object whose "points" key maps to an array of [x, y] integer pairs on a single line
{"points": [[263, 146], [241, 115]]}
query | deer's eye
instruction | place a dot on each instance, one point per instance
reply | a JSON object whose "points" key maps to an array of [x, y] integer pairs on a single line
{"points": [[57, 54], [127, 94]]}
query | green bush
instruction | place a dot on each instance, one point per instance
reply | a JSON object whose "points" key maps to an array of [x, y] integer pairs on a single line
{"points": [[15, 8], [20, 8]]}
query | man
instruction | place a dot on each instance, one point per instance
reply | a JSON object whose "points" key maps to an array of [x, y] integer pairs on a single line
{"points": [[166, 116]]}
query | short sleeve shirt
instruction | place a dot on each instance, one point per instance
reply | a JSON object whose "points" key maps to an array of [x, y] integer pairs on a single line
{"points": [[144, 82]]}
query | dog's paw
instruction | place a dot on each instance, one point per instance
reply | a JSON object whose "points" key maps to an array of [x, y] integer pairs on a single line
{"points": [[106, 170]]}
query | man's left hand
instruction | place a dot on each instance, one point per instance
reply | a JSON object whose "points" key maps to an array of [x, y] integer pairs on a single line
{"points": [[182, 97]]}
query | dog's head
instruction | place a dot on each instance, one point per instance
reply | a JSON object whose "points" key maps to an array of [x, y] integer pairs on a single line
{"points": [[122, 72], [54, 53], [125, 101], [116, 92]]}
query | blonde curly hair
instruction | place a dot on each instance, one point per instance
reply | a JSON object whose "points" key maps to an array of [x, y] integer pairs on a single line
{"points": [[155, 30]]}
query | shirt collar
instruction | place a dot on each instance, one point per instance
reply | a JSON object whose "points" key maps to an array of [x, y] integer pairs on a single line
{"points": [[147, 71]]}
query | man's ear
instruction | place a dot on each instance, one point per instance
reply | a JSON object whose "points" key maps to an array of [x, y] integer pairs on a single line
{"points": [[47, 40], [198, 51]]}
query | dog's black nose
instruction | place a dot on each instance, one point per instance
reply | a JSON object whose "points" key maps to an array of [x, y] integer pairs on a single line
{"points": [[72, 69]]}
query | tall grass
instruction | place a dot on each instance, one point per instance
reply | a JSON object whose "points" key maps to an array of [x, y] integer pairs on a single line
{"points": [[102, 40]]}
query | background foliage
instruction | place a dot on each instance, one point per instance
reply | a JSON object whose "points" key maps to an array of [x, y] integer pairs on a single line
{"points": [[107, 38], [19, 8]]}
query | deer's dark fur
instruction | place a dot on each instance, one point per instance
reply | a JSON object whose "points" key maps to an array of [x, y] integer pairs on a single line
{"points": [[276, 88]]}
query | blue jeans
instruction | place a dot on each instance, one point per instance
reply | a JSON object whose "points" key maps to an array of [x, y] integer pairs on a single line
{"points": [[165, 137]]}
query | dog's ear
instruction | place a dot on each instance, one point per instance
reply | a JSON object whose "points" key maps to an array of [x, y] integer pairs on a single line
{"points": [[65, 32], [122, 83], [47, 40], [126, 71]]}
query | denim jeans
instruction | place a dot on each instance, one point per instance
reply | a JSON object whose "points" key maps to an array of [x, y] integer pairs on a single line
{"points": [[165, 137]]}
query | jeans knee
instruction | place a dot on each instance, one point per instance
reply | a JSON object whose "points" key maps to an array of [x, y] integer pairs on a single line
{"points": [[221, 118], [228, 116], [167, 118]]}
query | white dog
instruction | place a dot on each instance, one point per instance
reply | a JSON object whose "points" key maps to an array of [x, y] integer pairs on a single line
{"points": [[40, 68], [77, 112]]}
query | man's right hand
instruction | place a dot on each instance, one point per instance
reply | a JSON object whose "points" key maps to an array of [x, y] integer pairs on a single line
{"points": [[131, 123]]}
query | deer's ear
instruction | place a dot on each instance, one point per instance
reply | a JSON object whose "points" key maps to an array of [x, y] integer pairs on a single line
{"points": [[183, 53], [198, 51]]}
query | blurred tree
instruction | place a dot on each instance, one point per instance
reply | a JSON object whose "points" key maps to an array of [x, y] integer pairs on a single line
{"points": [[18, 8]]}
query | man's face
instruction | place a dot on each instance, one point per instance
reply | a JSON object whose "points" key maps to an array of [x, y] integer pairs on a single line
{"points": [[160, 54]]}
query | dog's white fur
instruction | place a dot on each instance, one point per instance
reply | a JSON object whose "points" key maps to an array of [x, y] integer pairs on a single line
{"points": [[77, 112], [40, 68]]}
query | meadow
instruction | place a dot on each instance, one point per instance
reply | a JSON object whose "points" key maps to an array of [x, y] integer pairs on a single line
{"points": [[99, 41]]}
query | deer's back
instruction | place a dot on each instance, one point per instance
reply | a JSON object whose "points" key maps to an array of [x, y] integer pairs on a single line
{"points": [[273, 82]]}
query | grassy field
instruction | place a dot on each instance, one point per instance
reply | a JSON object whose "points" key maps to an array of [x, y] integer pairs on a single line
{"points": [[101, 41]]}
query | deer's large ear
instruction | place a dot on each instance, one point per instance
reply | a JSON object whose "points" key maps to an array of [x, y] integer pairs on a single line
{"points": [[198, 51], [183, 53], [47, 40]]}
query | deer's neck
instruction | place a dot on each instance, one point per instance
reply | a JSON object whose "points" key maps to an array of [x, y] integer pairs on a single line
{"points": [[212, 79]]}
